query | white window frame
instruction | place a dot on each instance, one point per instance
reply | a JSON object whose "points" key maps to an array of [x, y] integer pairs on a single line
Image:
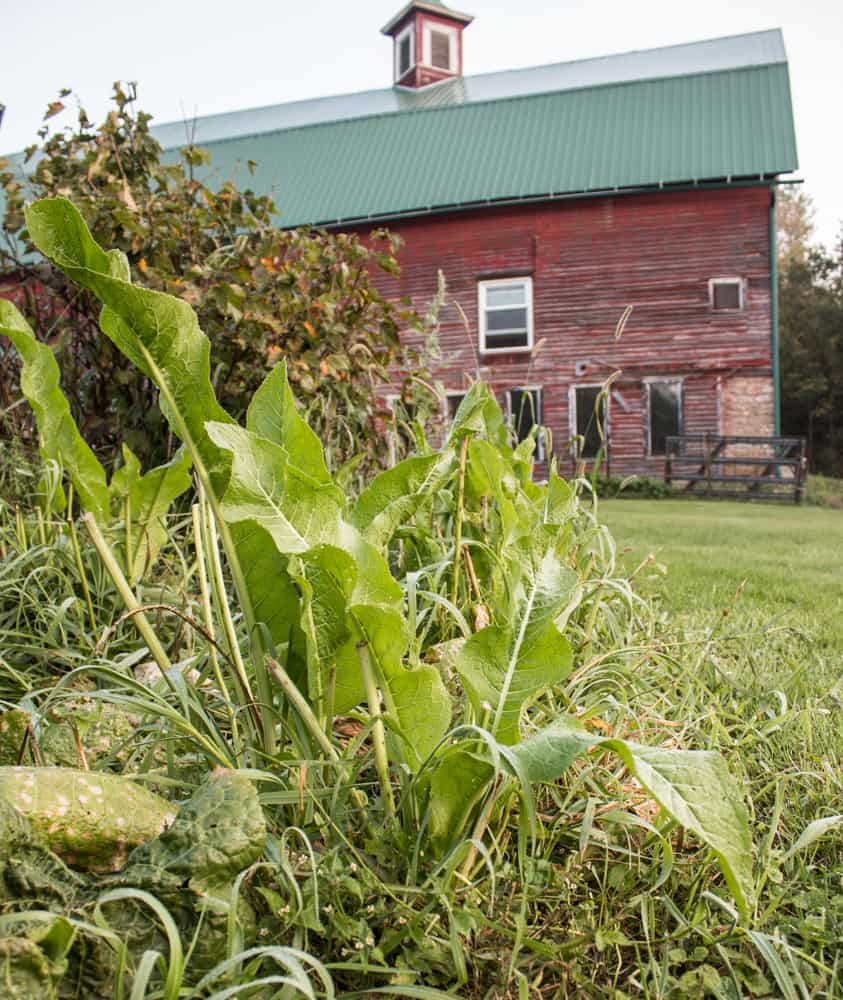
{"points": [[410, 31], [538, 455], [427, 46], [727, 281], [662, 380], [572, 417], [481, 314]]}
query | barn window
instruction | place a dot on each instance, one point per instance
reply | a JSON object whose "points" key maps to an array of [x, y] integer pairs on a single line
{"points": [[404, 53], [451, 403], [664, 413], [725, 294], [505, 308], [588, 418], [524, 406], [440, 47]]}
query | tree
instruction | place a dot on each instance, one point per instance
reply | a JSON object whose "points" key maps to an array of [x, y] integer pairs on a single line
{"points": [[260, 292], [811, 334], [794, 225]]}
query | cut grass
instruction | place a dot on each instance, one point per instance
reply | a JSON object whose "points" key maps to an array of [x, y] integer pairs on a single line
{"points": [[788, 559]]}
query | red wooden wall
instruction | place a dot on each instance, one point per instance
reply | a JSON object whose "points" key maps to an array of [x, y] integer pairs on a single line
{"points": [[589, 259]]}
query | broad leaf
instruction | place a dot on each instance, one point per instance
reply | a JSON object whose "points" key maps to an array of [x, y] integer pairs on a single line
{"points": [[158, 332], [59, 437], [479, 414], [506, 666], [161, 335], [149, 496], [456, 786], [695, 787], [264, 489], [396, 494], [272, 414]]}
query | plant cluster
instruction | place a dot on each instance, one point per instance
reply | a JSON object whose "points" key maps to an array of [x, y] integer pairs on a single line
{"points": [[466, 735]]}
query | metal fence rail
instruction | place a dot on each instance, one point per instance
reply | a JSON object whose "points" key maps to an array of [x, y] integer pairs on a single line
{"points": [[745, 468]]}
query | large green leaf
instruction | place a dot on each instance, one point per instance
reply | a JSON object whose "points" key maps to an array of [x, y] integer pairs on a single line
{"points": [[457, 784], [479, 414], [161, 335], [265, 490], [505, 666], [149, 496], [59, 436], [695, 787], [272, 414], [158, 332], [349, 595], [396, 494]]}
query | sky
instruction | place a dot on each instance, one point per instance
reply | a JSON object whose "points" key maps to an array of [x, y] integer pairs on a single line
{"points": [[194, 58]]}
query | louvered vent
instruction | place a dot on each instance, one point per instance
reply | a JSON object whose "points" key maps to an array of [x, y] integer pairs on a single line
{"points": [[440, 50]]}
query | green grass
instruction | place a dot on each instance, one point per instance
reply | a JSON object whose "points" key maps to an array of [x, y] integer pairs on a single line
{"points": [[788, 561]]}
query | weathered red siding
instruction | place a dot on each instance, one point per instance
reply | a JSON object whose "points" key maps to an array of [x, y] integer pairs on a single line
{"points": [[589, 259]]}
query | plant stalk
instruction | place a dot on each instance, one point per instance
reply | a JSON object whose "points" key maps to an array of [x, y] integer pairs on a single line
{"points": [[140, 620], [80, 569], [378, 732], [207, 613], [299, 703], [458, 516]]}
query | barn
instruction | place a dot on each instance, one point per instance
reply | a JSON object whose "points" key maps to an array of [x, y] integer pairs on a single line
{"points": [[605, 219]]}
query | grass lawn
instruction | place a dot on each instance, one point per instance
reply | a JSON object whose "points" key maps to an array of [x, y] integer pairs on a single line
{"points": [[789, 560]]}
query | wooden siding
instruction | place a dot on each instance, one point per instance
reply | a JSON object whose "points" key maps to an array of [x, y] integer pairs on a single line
{"points": [[589, 260]]}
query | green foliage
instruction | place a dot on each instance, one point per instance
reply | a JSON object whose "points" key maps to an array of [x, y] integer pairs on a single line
{"points": [[810, 325], [449, 699], [259, 292], [60, 438], [641, 487]]}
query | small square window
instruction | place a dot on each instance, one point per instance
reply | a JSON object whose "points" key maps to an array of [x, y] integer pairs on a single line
{"points": [[506, 315], [525, 413], [664, 406], [726, 294], [588, 419]]}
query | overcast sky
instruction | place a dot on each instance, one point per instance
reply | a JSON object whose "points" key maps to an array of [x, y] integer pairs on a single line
{"points": [[190, 57]]}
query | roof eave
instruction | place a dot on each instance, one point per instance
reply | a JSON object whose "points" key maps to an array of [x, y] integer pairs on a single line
{"points": [[430, 8]]}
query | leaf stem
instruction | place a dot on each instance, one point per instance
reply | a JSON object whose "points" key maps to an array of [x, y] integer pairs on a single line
{"points": [[378, 733], [112, 567], [299, 703], [80, 569], [207, 613], [458, 516]]}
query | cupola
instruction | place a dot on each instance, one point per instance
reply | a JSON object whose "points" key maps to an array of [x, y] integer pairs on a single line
{"points": [[427, 43]]}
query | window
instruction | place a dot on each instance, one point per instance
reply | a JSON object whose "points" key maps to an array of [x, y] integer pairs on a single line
{"points": [[525, 413], [506, 315], [440, 47], [587, 420], [451, 403], [725, 294], [664, 409], [404, 52]]}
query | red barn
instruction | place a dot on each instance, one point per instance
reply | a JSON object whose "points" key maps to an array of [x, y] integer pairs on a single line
{"points": [[553, 198]]}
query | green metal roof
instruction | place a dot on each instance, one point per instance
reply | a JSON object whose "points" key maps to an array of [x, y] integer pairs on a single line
{"points": [[711, 110], [729, 124]]}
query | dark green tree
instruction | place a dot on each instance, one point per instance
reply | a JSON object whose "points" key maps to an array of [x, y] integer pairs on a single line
{"points": [[260, 292], [811, 332]]}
